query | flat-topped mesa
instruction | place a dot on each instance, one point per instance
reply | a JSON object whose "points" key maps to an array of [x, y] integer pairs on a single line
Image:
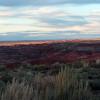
{"points": [[11, 43]]}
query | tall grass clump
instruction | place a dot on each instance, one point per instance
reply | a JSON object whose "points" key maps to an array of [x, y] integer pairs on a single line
{"points": [[63, 86], [70, 88]]}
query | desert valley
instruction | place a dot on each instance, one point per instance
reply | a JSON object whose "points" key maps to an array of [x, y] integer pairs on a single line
{"points": [[54, 70], [49, 52]]}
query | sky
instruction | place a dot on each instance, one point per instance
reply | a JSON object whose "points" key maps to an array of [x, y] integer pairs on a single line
{"points": [[49, 19]]}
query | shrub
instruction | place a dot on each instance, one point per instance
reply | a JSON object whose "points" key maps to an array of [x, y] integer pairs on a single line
{"points": [[63, 86]]}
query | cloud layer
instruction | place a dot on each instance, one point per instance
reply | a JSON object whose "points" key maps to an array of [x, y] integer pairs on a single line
{"points": [[49, 22], [45, 2]]}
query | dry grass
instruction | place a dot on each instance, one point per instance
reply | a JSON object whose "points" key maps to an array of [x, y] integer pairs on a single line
{"points": [[63, 86]]}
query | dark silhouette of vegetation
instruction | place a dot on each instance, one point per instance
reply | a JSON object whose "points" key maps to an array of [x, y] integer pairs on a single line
{"points": [[68, 83]]}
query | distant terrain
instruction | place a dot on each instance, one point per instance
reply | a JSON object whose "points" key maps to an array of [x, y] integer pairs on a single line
{"points": [[49, 52]]}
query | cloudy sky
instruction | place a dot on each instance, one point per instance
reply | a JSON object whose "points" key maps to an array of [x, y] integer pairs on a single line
{"points": [[49, 19]]}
